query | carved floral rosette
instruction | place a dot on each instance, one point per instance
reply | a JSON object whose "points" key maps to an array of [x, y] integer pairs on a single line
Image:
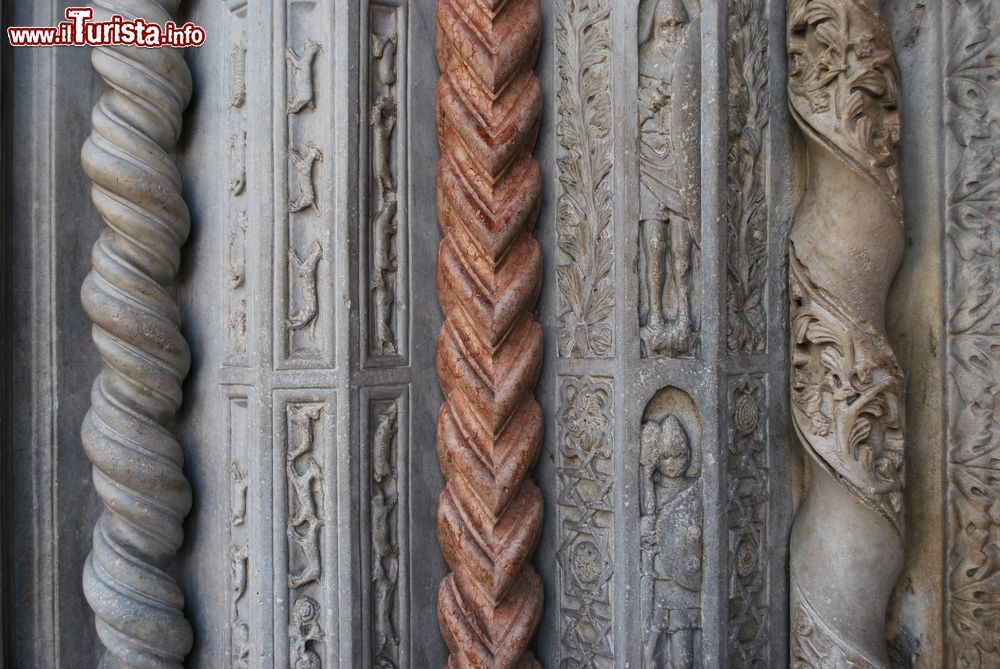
{"points": [[846, 387]]}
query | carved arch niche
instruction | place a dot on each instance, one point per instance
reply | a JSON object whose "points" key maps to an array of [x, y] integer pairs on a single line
{"points": [[671, 513]]}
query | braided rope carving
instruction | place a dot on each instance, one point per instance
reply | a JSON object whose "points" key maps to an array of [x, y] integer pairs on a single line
{"points": [[846, 386], [490, 347], [128, 296]]}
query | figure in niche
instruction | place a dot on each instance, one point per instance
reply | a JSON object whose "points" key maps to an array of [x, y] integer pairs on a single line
{"points": [[669, 113], [671, 539], [303, 631]]}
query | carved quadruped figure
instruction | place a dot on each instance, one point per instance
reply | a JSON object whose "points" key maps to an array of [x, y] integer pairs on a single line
{"points": [[130, 297], [490, 345], [302, 167], [385, 532], [669, 175], [301, 92], [847, 389], [305, 507], [382, 121], [304, 274], [671, 538]]}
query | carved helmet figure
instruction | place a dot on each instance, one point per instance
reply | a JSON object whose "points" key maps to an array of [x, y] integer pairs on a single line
{"points": [[665, 448], [664, 16]]}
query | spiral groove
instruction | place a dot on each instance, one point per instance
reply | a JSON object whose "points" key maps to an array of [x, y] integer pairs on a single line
{"points": [[129, 298], [847, 388], [489, 350]]}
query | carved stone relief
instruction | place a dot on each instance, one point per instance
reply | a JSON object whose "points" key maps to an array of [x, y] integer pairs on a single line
{"points": [[386, 313], [586, 246], [973, 334], [748, 478], [489, 348], [385, 525], [746, 202], [305, 475], [300, 68], [671, 531], [586, 508], [238, 531], [669, 177], [846, 386]]}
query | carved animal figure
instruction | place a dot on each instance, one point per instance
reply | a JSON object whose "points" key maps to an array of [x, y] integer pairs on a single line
{"points": [[301, 91], [305, 506], [669, 117], [304, 271], [302, 166], [384, 275], [671, 539]]}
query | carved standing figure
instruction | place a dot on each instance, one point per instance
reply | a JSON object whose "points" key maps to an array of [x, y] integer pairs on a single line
{"points": [[671, 539], [669, 165], [130, 297], [489, 349], [846, 386]]}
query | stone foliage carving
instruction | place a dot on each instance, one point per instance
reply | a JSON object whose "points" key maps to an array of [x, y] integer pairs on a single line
{"points": [[586, 241], [385, 533], [973, 362], [746, 201], [585, 504], [669, 177], [385, 233], [748, 478], [846, 386], [129, 298], [490, 346], [304, 525], [671, 521]]}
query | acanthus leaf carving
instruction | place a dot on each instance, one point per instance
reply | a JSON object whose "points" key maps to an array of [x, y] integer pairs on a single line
{"points": [[972, 254], [586, 243]]}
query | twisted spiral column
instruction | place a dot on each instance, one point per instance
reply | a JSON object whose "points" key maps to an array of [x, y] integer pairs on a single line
{"points": [[490, 347], [129, 298], [846, 386]]}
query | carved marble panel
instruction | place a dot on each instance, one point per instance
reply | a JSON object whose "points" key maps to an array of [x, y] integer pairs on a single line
{"points": [[669, 121], [386, 298], [672, 517], [238, 520], [748, 107], [748, 478], [972, 380], [585, 473], [305, 505], [304, 254], [584, 216]]}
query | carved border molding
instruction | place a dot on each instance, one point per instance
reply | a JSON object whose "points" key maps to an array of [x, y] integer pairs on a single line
{"points": [[586, 521], [973, 310], [490, 347], [748, 476], [746, 197], [584, 217], [242, 490], [846, 387], [129, 298]]}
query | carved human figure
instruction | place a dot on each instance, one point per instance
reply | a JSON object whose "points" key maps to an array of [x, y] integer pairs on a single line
{"points": [[301, 93], [669, 115], [304, 629], [671, 539]]}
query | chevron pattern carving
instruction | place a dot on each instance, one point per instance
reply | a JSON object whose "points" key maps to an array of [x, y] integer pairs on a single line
{"points": [[490, 347]]}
